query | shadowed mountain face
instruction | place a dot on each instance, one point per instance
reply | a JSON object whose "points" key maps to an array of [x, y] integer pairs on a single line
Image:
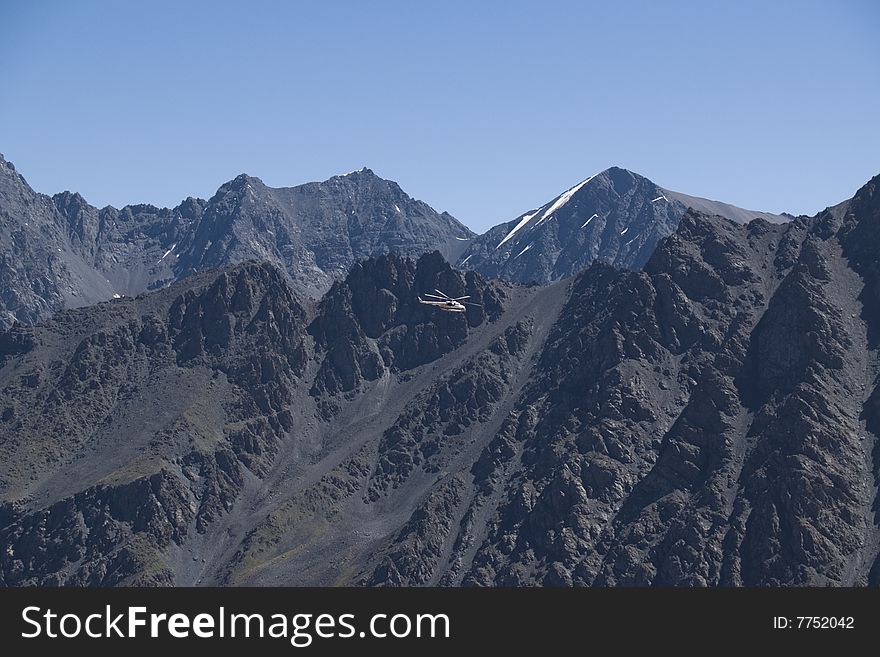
{"points": [[710, 420], [616, 216], [61, 252], [317, 231]]}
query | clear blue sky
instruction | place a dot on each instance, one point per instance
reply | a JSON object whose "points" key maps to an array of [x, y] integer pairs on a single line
{"points": [[484, 109]]}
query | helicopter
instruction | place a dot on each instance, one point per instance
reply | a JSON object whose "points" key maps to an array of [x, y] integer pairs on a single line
{"points": [[446, 303]]}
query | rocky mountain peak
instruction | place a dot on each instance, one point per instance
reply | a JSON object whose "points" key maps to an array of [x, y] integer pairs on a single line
{"points": [[251, 302], [364, 173], [364, 181], [241, 183], [864, 208], [11, 181], [618, 178], [615, 216], [68, 202], [373, 321]]}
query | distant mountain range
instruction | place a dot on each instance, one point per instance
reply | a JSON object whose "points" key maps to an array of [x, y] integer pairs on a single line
{"points": [[60, 252], [615, 216], [711, 419]]}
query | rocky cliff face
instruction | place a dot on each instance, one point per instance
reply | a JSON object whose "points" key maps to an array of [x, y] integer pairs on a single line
{"points": [[118, 429], [61, 252], [317, 231], [373, 321], [40, 272], [615, 216], [710, 420]]}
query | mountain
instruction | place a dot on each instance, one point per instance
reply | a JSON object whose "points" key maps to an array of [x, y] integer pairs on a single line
{"points": [[61, 252], [224, 386], [712, 419], [615, 216], [317, 231]]}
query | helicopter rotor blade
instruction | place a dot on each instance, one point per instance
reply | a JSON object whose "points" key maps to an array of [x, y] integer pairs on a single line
{"points": [[445, 296], [460, 298], [434, 296], [468, 303]]}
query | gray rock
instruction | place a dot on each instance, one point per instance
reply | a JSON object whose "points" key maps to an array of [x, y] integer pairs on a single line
{"points": [[61, 252], [710, 420], [616, 216]]}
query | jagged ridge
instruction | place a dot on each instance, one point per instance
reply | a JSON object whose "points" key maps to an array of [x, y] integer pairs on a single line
{"points": [[61, 252], [710, 420]]}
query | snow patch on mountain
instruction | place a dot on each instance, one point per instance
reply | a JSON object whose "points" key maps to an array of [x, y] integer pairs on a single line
{"points": [[166, 254], [584, 225], [522, 222], [566, 197]]}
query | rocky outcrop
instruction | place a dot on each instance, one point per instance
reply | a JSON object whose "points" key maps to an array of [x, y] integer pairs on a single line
{"points": [[372, 321], [724, 443], [433, 429], [103, 536], [108, 411], [710, 420]]}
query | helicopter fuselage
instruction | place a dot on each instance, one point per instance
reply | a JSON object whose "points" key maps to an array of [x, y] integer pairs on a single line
{"points": [[448, 306]]}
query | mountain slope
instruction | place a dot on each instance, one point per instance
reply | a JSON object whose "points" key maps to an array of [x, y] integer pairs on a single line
{"points": [[203, 379], [40, 270], [726, 210], [61, 252], [615, 216], [317, 231], [710, 420]]}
